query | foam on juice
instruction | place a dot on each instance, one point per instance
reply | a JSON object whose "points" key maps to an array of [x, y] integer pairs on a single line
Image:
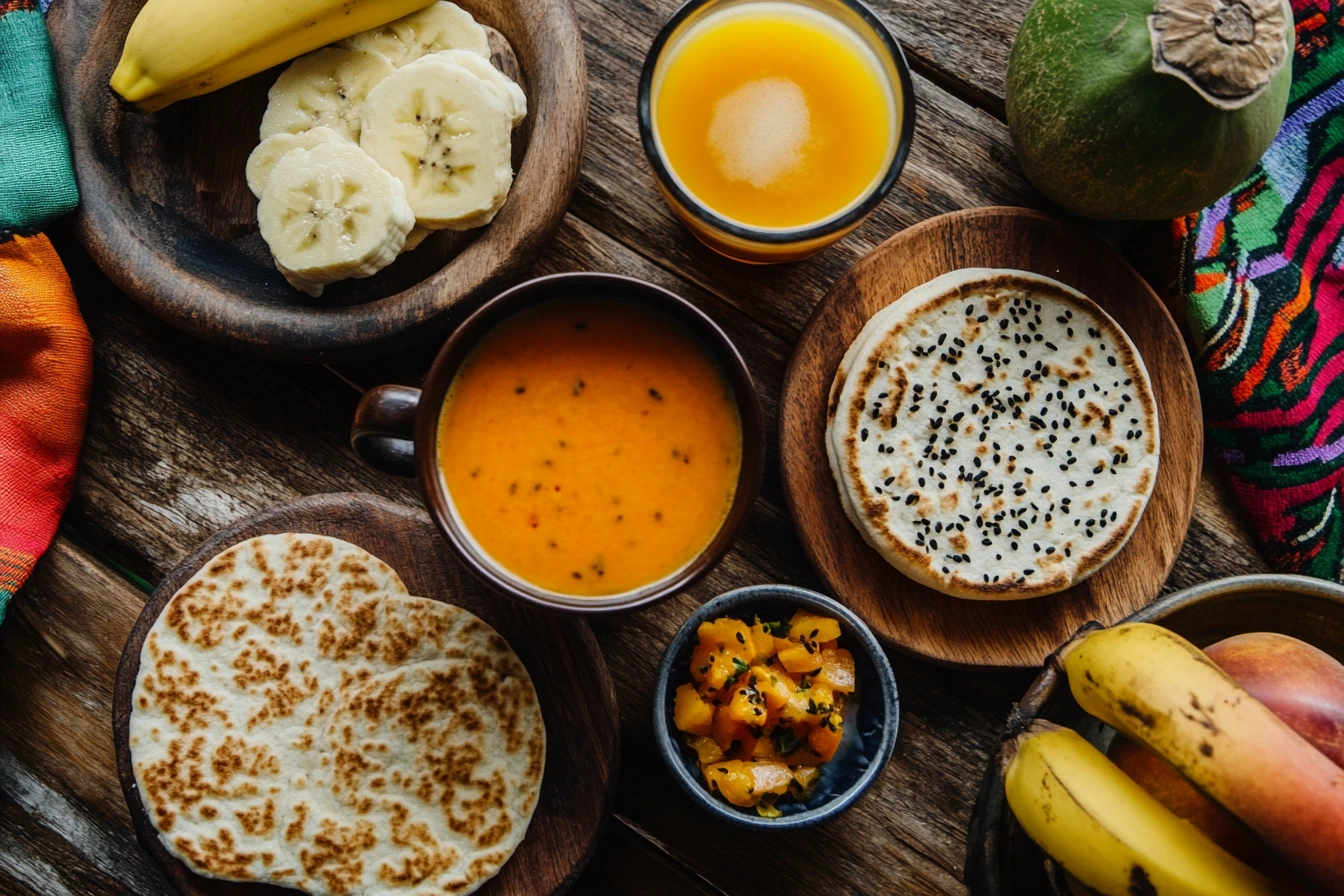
{"points": [[759, 131]]}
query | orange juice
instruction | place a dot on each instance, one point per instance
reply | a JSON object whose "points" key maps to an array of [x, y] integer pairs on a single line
{"points": [[774, 114]]}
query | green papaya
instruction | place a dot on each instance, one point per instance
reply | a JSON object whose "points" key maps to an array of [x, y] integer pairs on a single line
{"points": [[1147, 109]]}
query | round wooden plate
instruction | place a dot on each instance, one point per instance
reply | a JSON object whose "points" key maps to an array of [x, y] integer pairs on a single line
{"points": [[916, 619], [578, 700], [166, 213]]}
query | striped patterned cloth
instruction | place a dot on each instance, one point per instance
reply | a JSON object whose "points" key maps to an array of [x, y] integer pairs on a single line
{"points": [[46, 359], [1263, 272]]}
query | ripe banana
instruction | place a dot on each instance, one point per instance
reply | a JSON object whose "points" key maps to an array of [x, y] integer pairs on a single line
{"points": [[1106, 830], [329, 213], [183, 48], [1154, 686], [439, 26]]}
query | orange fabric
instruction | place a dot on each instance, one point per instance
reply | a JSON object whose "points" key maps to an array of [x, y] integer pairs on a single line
{"points": [[46, 362]]}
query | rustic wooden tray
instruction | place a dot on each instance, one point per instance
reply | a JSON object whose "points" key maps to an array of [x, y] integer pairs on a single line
{"points": [[578, 699], [919, 620], [166, 213], [1000, 859]]}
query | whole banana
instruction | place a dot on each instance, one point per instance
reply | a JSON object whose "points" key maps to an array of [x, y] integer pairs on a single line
{"points": [[1157, 688], [1106, 830], [183, 48]]}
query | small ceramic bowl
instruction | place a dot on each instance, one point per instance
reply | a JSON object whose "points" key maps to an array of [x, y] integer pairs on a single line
{"points": [[871, 713]]}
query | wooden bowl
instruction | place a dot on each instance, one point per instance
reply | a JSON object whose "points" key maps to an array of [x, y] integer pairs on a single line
{"points": [[578, 699], [166, 213], [1000, 859], [909, 616]]}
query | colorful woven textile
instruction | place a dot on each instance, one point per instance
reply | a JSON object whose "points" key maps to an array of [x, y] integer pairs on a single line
{"points": [[37, 184], [46, 358], [1264, 275]]}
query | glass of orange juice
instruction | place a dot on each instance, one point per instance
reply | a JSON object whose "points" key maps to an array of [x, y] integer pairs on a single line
{"points": [[774, 126]]}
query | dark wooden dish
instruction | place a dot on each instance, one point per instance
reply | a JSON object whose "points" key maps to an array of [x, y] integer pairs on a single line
{"points": [[1000, 859], [166, 213], [919, 620], [578, 700]]}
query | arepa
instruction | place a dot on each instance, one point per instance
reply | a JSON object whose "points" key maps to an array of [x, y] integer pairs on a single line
{"points": [[247, 775], [993, 435]]}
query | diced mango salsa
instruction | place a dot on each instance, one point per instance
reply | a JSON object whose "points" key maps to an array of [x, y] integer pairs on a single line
{"points": [[811, 627], [837, 670], [691, 712], [763, 711]]}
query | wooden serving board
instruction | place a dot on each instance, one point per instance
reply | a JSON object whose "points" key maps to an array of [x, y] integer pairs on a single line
{"points": [[166, 213], [919, 620], [578, 699]]}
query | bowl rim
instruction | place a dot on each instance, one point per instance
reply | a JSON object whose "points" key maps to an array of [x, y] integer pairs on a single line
{"points": [[670, 749], [985, 841], [611, 286], [193, 289], [783, 235]]}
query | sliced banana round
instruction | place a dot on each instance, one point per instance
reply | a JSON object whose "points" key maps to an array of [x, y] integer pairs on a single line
{"points": [[329, 213], [276, 146], [503, 86], [439, 26], [445, 135], [325, 88], [417, 236]]}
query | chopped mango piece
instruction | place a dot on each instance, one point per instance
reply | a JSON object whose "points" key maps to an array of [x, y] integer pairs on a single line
{"points": [[765, 750], [770, 777], [705, 749], [825, 739], [762, 641], [806, 777], [690, 712], [747, 707], [734, 780], [775, 685], [726, 731], [731, 636], [812, 627], [800, 660], [837, 670]]}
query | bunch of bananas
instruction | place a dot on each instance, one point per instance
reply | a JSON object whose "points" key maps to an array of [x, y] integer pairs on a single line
{"points": [[1114, 838]]}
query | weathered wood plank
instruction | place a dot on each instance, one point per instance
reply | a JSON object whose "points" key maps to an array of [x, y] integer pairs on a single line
{"points": [[63, 814], [627, 861]]}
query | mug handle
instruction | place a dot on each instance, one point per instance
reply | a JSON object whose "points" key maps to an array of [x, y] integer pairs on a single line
{"points": [[382, 432]]}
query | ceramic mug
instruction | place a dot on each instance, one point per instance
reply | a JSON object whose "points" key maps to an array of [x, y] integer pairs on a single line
{"points": [[395, 430]]}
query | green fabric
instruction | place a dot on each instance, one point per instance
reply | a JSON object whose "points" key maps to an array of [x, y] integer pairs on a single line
{"points": [[37, 183]]}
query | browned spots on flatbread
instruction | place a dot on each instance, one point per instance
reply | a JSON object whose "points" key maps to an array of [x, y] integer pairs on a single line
{"points": [[426, 858], [294, 830], [219, 855], [337, 853], [258, 821]]}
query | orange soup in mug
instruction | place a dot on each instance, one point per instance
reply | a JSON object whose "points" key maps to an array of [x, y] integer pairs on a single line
{"points": [[590, 446]]}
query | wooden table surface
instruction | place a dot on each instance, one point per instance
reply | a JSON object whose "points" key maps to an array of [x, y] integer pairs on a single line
{"points": [[183, 439]]}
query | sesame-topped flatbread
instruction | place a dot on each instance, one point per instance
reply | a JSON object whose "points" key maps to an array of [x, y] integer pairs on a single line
{"points": [[299, 719], [993, 435]]}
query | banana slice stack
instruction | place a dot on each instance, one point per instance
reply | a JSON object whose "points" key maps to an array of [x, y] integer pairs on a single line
{"points": [[371, 144]]}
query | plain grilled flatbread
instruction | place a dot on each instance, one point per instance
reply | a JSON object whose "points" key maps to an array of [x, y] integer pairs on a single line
{"points": [[993, 435], [255, 748]]}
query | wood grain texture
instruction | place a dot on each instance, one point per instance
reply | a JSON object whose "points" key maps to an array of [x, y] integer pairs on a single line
{"points": [[166, 212], [918, 619], [579, 706]]}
